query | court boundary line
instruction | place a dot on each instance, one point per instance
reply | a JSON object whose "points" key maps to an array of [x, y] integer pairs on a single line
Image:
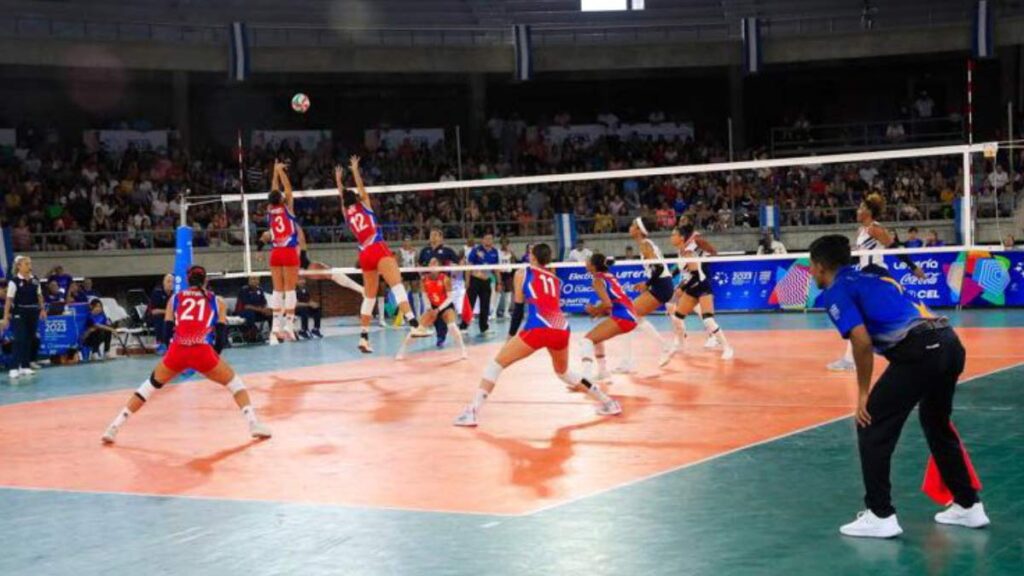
{"points": [[738, 449]]}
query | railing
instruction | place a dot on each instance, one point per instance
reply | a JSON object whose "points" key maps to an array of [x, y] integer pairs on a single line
{"points": [[395, 231], [550, 34], [826, 138]]}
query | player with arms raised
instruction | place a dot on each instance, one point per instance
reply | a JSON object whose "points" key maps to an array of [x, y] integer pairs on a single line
{"points": [[284, 255], [375, 258]]}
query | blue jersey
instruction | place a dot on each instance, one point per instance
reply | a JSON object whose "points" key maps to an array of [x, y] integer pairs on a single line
{"points": [[541, 289], [622, 306], [879, 303]]}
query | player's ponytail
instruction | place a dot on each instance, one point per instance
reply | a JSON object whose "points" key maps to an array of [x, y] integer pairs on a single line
{"points": [[196, 277], [600, 262], [875, 204]]}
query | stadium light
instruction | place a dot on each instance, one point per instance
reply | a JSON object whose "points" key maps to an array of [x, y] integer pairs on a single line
{"points": [[610, 5]]}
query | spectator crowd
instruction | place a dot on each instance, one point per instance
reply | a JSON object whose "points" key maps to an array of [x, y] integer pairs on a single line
{"points": [[54, 198]]}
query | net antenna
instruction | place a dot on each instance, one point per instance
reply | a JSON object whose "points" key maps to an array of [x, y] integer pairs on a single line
{"points": [[964, 150]]}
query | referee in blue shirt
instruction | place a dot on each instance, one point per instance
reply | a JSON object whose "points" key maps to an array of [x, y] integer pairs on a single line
{"points": [[480, 280], [925, 360]]}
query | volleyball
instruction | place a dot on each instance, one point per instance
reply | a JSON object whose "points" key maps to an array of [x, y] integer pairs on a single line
{"points": [[300, 103]]}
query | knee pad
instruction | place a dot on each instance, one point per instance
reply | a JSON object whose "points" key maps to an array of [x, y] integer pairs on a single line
{"points": [[236, 385], [366, 309], [276, 299], [710, 324], [290, 299], [399, 291], [148, 387], [492, 371]]}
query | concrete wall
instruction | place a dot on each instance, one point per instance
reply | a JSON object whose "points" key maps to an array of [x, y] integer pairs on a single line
{"points": [[497, 58], [156, 262]]}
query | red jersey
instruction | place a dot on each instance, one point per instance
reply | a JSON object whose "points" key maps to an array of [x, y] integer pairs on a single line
{"points": [[195, 313], [541, 289], [436, 291], [363, 223], [283, 231]]}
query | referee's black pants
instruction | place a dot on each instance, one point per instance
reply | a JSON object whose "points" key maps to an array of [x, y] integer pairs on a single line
{"points": [[923, 370], [480, 288], [25, 326]]}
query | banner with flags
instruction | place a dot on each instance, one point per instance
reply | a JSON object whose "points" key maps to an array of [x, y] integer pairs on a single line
{"points": [[524, 58], [751, 33], [238, 64], [770, 219], [6, 253], [981, 35], [565, 234]]}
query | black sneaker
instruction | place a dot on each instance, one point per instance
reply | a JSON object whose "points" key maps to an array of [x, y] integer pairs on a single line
{"points": [[317, 334], [304, 334]]}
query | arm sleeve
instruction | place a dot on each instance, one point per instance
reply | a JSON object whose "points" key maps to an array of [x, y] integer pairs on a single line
{"points": [[518, 311]]}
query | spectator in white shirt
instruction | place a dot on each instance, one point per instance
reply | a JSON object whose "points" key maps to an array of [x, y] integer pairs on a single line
{"points": [[924, 106], [769, 245], [580, 253], [1010, 243], [998, 179], [107, 243], [894, 132]]}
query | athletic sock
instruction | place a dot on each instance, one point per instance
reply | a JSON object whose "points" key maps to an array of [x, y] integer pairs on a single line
{"points": [[250, 414], [479, 399], [121, 418]]}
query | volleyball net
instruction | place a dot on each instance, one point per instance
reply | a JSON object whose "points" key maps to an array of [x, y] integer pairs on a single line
{"points": [[938, 204]]}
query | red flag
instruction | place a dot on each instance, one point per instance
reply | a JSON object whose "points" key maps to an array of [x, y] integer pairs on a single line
{"points": [[935, 488], [467, 310]]}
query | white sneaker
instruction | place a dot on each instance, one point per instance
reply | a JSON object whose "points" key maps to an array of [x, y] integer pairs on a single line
{"points": [[609, 408], [728, 353], [419, 332], [383, 322], [487, 333], [272, 340], [259, 430], [14, 374], [27, 372], [842, 365], [867, 525], [35, 366], [957, 515], [467, 418], [711, 342], [364, 346], [110, 435]]}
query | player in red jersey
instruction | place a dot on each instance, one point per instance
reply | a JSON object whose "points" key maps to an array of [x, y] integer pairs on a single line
{"points": [[438, 288], [284, 255], [536, 293], [194, 312], [375, 258], [613, 302]]}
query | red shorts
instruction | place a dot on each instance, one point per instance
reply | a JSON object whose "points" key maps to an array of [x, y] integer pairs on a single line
{"points": [[550, 338], [371, 256], [201, 358], [625, 324], [287, 257]]}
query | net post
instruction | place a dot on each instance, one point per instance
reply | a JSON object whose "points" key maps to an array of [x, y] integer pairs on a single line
{"points": [[967, 216], [245, 237]]}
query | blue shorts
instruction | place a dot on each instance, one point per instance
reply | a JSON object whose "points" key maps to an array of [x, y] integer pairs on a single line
{"points": [[662, 289]]}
